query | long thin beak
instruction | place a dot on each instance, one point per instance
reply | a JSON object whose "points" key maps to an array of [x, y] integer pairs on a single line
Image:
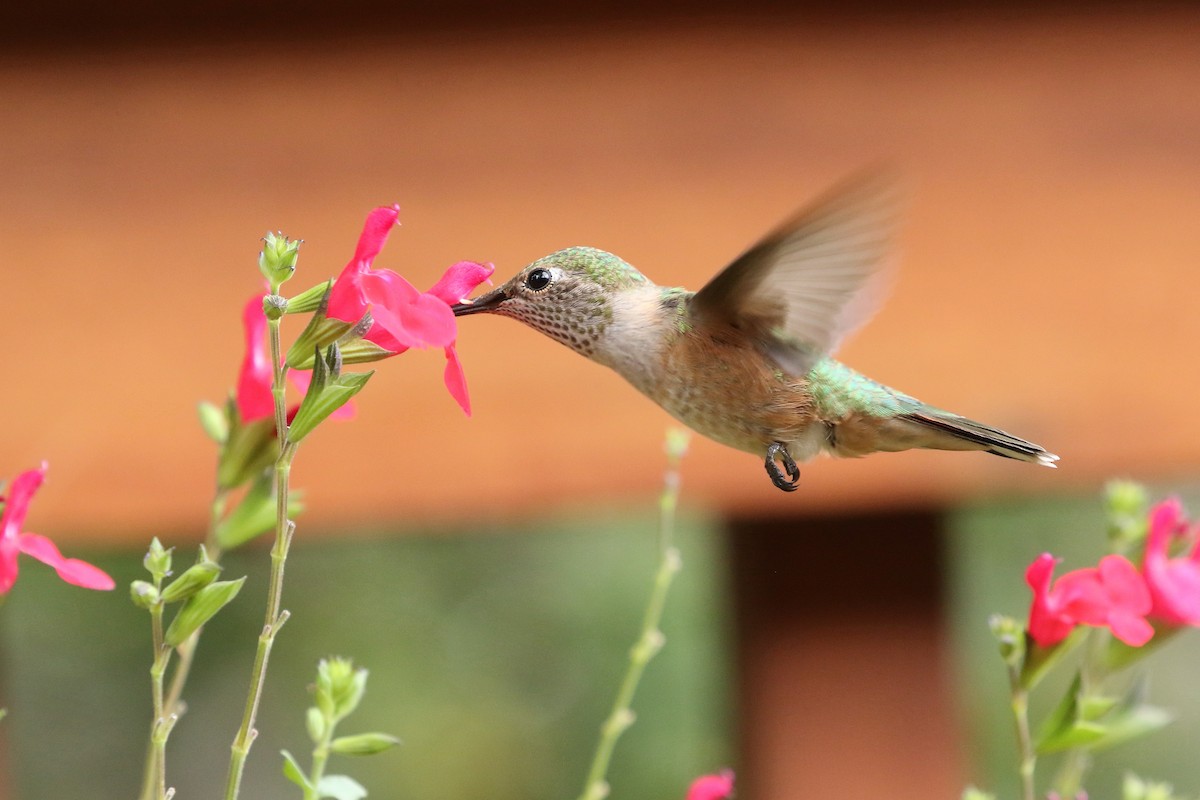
{"points": [[482, 304]]}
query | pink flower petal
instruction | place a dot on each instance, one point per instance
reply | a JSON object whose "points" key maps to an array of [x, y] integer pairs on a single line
{"points": [[8, 564], [413, 318], [346, 301], [456, 380], [460, 279], [254, 400], [24, 486], [712, 787], [1174, 583], [71, 570]]}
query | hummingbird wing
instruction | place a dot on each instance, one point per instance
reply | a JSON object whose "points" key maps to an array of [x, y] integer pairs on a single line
{"points": [[815, 279]]}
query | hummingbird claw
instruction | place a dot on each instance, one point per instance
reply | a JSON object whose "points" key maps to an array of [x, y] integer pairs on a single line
{"points": [[777, 450]]}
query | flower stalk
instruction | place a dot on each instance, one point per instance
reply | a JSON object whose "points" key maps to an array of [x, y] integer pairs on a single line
{"points": [[275, 616], [651, 639]]}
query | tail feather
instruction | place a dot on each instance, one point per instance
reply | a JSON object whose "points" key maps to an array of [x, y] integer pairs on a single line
{"points": [[988, 438]]}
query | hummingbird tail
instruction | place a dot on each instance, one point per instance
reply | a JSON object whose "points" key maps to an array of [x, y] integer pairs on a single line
{"points": [[985, 437]]}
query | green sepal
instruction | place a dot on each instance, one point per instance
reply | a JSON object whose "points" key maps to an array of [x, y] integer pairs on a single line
{"points": [[328, 391], [200, 608], [340, 787], [363, 744], [214, 421], [251, 448], [317, 335], [255, 514], [157, 560], [310, 299], [292, 771], [356, 350], [193, 579], [1118, 655], [1038, 660], [143, 594]]}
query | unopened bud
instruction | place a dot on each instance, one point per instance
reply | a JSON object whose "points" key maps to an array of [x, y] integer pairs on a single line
{"points": [[157, 560], [143, 594], [277, 261]]}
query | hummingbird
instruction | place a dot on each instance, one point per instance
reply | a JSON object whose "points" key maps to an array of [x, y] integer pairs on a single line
{"points": [[746, 360]]}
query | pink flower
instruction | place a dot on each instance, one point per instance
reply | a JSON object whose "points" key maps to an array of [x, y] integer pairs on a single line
{"points": [[13, 540], [1174, 582], [1112, 595], [712, 787], [402, 316], [253, 397]]}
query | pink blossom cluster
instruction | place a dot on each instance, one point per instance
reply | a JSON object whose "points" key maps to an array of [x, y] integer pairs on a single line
{"points": [[15, 540], [1118, 595], [402, 317]]}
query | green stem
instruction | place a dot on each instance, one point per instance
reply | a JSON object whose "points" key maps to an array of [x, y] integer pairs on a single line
{"points": [[275, 616], [1092, 672], [1026, 753], [651, 639], [154, 777], [320, 757]]}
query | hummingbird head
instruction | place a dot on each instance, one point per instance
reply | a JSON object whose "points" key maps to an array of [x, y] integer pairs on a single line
{"points": [[567, 295]]}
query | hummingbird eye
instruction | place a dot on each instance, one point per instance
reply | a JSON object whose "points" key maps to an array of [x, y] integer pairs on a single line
{"points": [[538, 279]]}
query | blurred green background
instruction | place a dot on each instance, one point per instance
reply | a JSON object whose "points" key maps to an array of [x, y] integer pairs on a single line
{"points": [[494, 655]]}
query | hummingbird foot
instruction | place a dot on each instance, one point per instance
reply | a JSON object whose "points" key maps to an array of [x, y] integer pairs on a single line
{"points": [[778, 450]]}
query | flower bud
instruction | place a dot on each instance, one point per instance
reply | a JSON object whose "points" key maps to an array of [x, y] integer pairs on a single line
{"points": [[157, 560], [314, 722], [193, 579], [214, 421], [1126, 505], [200, 608], [277, 261], [340, 687], [363, 744], [143, 594], [274, 306]]}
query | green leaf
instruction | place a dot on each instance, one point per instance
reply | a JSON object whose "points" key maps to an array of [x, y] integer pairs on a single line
{"points": [[255, 514], [340, 787], [363, 744], [200, 608], [1079, 734], [971, 793], [1132, 724], [292, 771], [1059, 721]]}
